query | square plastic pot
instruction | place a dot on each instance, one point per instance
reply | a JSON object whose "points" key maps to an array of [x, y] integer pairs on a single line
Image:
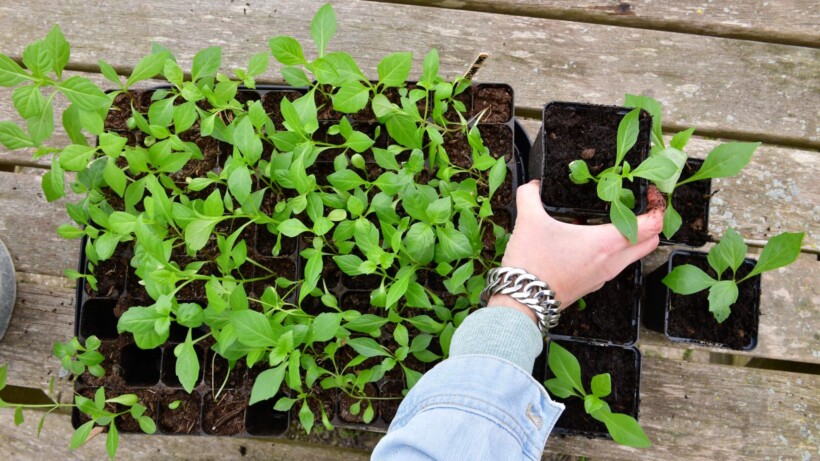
{"points": [[686, 319]]}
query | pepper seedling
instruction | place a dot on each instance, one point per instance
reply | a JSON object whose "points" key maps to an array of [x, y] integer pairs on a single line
{"points": [[687, 279], [724, 161], [624, 429], [656, 168]]}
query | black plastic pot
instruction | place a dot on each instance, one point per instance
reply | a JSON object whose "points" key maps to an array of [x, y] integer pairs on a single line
{"points": [[566, 135], [150, 373], [612, 314], [694, 324], [691, 200], [624, 366]]}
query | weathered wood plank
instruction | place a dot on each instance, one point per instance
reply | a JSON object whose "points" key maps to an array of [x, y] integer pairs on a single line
{"points": [[22, 444], [776, 192], [789, 312], [746, 89], [791, 22], [689, 411], [42, 315], [28, 227]]}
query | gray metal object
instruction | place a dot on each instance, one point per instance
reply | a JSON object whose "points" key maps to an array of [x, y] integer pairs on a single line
{"points": [[8, 288]]}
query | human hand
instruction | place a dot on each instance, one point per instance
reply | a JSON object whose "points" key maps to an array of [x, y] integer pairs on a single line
{"points": [[573, 260]]}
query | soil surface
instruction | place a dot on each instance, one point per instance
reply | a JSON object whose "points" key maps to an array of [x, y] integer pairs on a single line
{"points": [[575, 131], [689, 316], [610, 314], [226, 414], [388, 408], [345, 401], [147, 397], [691, 201], [620, 364], [185, 418], [497, 99]]}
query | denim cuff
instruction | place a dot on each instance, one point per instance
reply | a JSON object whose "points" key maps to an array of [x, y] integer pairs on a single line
{"points": [[501, 332]]}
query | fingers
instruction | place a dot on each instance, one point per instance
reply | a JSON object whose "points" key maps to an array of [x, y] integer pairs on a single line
{"points": [[528, 198], [635, 252], [650, 224]]}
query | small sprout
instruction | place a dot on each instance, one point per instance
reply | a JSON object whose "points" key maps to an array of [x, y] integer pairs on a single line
{"points": [[174, 405]]}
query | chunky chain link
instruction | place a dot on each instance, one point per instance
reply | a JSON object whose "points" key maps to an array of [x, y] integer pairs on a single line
{"points": [[526, 289]]}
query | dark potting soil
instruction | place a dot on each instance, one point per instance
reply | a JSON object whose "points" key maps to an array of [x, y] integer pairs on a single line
{"points": [[392, 393], [345, 401], [185, 418], [498, 139], [198, 168], [121, 109], [620, 363], [217, 367], [226, 414], [498, 100], [326, 398], [573, 132], [148, 398], [111, 355], [689, 316], [691, 201], [110, 275], [500, 217], [609, 314], [272, 103]]}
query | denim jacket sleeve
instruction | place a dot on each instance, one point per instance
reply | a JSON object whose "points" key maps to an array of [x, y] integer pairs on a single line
{"points": [[481, 403]]}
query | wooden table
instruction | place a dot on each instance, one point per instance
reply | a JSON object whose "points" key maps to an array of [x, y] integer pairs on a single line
{"points": [[735, 69]]}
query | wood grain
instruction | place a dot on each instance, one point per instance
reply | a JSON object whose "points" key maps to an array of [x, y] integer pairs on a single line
{"points": [[689, 411], [28, 227], [791, 22], [746, 89]]}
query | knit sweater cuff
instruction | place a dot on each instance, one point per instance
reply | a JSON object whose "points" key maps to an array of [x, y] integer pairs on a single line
{"points": [[499, 331]]}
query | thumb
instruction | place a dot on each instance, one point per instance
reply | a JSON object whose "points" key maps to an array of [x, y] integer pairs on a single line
{"points": [[528, 199]]}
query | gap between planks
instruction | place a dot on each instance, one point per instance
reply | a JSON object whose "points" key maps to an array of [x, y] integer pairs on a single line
{"points": [[695, 19]]}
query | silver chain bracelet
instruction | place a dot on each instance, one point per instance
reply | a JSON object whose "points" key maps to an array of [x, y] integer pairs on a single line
{"points": [[526, 289]]}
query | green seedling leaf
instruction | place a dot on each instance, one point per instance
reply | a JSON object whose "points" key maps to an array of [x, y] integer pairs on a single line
{"points": [[592, 403], [147, 424], [288, 51], [623, 429], [624, 220], [688, 279], [559, 388], [671, 221], [206, 63], [430, 68], [452, 245], [497, 175], [306, 417], [267, 384], [124, 399], [80, 435], [148, 67], [10, 72], [18, 416], [84, 94], [325, 326], [394, 69], [724, 161], [253, 329], [37, 58], [3, 373], [13, 137], [323, 28], [730, 252], [579, 172], [351, 98], [112, 440], [57, 46], [681, 138], [779, 251], [609, 187], [565, 367], [187, 366], [368, 347], [28, 100], [655, 110], [657, 168], [627, 134], [721, 296], [601, 385], [295, 77]]}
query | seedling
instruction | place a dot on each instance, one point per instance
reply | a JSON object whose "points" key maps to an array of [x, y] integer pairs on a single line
{"points": [[567, 383], [724, 161], [730, 253], [656, 168]]}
